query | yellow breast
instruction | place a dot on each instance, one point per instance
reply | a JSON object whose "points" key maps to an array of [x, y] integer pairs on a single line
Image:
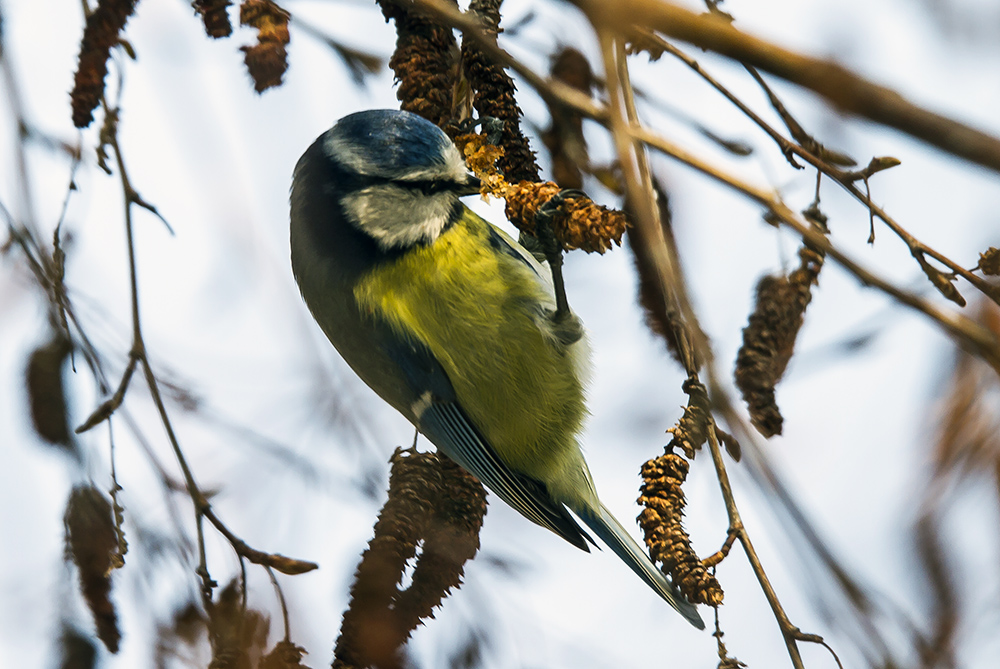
{"points": [[482, 315]]}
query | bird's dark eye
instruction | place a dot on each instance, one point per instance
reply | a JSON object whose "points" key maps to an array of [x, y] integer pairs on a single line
{"points": [[431, 187]]}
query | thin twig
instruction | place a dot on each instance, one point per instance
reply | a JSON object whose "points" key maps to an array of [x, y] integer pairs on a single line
{"points": [[639, 187], [842, 88], [281, 601], [980, 340], [965, 330], [138, 352], [789, 632], [638, 184], [846, 179]]}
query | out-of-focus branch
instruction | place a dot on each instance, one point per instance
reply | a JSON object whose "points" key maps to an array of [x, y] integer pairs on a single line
{"points": [[631, 156], [843, 88], [138, 356], [964, 329], [846, 179]]}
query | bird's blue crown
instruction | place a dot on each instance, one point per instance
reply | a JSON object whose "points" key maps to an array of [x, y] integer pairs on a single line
{"points": [[387, 143]]}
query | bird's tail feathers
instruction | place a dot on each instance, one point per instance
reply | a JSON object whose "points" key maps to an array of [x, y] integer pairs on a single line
{"points": [[611, 532]]}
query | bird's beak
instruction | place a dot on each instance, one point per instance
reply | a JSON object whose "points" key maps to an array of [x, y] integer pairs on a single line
{"points": [[471, 186]]}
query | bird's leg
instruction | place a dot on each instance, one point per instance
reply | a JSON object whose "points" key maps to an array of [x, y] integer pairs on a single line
{"points": [[567, 327]]}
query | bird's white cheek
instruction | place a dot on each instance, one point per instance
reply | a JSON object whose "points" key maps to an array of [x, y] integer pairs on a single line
{"points": [[399, 217]]}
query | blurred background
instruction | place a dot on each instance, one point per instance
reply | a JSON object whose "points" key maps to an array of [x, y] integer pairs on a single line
{"points": [[879, 528]]}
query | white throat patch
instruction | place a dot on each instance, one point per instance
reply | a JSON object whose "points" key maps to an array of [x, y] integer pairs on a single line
{"points": [[398, 217]]}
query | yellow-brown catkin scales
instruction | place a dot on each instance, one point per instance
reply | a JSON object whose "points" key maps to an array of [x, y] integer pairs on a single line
{"points": [[481, 158], [769, 338], [668, 543], [214, 16], [424, 63], [266, 60], [692, 429], [92, 544], [99, 35], [584, 224]]}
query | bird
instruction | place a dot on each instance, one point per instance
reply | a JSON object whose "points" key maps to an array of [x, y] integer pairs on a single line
{"points": [[451, 321]]}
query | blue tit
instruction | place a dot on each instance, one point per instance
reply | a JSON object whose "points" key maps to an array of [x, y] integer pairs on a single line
{"points": [[450, 321]]}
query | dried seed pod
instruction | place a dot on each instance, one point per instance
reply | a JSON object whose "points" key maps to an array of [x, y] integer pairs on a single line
{"points": [[564, 138], [668, 543], [285, 655], [989, 262], [494, 97], [424, 63], [266, 60], [214, 16], [46, 393], [769, 338], [452, 538], [91, 542], [369, 632], [100, 34], [584, 224], [692, 429]]}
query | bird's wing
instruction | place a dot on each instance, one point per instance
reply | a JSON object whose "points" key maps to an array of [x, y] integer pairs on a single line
{"points": [[442, 420]]}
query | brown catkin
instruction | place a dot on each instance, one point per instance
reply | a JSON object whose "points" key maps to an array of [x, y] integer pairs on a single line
{"points": [[769, 338], [237, 633], [369, 633], [46, 393], [266, 60], [494, 97], [100, 34], [92, 542], [583, 224], [564, 139], [658, 304], [452, 538], [285, 655], [663, 499], [424, 63], [692, 429], [989, 261], [214, 16], [431, 500]]}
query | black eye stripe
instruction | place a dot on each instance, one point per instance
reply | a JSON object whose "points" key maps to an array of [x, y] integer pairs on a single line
{"points": [[425, 186]]}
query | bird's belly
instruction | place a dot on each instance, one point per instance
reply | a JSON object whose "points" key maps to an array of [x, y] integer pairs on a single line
{"points": [[481, 315]]}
